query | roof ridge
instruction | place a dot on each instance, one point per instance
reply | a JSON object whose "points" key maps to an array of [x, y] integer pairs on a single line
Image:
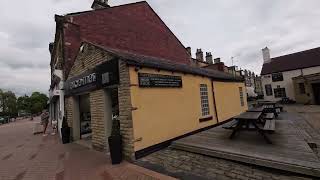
{"points": [[111, 7], [295, 53]]}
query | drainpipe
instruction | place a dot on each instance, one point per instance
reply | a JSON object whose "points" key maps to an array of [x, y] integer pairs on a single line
{"points": [[214, 102]]}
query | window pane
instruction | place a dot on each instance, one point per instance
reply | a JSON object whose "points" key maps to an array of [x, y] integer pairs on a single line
{"points": [[268, 89], [204, 100], [277, 77]]}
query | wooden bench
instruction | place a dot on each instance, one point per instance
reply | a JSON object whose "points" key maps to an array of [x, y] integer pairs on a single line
{"points": [[270, 125], [230, 125], [279, 107], [268, 116]]}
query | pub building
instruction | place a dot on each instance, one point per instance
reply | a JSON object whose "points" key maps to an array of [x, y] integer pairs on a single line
{"points": [[124, 63], [155, 100]]}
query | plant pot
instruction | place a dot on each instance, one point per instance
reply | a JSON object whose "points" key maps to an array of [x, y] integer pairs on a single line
{"points": [[65, 133], [115, 147]]}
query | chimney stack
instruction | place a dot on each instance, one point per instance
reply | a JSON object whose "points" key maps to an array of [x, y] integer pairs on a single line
{"points": [[99, 4], [209, 58], [266, 55], [199, 55], [189, 50], [217, 60]]}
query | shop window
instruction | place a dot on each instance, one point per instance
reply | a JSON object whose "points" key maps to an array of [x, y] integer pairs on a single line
{"points": [[280, 93], [268, 89], [302, 88], [204, 100], [277, 77], [241, 96]]}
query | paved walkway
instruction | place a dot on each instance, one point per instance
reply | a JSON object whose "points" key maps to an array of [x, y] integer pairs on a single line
{"points": [[24, 156]]}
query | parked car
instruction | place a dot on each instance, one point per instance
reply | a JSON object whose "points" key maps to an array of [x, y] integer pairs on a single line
{"points": [[4, 119]]}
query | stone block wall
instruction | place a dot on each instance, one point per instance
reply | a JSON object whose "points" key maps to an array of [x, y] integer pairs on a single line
{"points": [[125, 111], [99, 139], [68, 110], [88, 59]]}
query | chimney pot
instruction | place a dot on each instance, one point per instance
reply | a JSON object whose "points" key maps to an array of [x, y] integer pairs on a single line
{"points": [[209, 58], [99, 4], [266, 55], [189, 50], [217, 60], [199, 55]]}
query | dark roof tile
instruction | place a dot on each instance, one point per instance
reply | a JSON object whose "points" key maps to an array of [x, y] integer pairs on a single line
{"points": [[299, 60]]}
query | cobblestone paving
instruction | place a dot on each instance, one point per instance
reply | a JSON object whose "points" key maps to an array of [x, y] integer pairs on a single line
{"points": [[186, 165], [24, 156]]}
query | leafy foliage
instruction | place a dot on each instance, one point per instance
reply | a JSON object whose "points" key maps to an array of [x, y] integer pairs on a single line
{"points": [[10, 105]]}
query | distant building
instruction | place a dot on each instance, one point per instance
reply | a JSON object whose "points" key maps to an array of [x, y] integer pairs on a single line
{"points": [[295, 76], [251, 80]]}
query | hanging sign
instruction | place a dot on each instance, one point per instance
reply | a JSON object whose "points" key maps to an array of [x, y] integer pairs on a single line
{"points": [[158, 80]]}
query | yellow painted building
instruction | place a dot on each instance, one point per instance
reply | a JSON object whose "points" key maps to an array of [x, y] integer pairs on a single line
{"points": [[166, 113], [157, 101]]}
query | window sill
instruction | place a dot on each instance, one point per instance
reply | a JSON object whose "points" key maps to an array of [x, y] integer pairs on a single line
{"points": [[205, 118]]}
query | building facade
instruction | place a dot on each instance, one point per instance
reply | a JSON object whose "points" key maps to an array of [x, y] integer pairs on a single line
{"points": [[148, 95], [105, 65], [280, 76]]}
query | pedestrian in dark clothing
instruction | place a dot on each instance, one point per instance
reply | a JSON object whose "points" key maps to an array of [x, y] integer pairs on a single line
{"points": [[45, 121]]}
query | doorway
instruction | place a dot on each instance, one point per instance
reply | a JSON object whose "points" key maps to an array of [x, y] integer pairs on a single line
{"points": [[316, 93], [85, 118]]}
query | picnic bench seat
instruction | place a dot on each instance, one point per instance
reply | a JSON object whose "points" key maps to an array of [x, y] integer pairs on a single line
{"points": [[279, 107], [269, 116], [270, 125], [230, 125]]}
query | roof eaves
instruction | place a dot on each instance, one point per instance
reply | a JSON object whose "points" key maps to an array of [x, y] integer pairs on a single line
{"points": [[168, 65]]}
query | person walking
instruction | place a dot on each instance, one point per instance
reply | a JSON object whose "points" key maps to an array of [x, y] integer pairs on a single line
{"points": [[45, 121]]}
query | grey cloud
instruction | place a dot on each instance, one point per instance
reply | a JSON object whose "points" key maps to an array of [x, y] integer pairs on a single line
{"points": [[227, 28]]}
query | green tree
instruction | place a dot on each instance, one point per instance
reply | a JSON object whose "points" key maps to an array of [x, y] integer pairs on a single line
{"points": [[8, 103], [38, 102], [24, 104]]}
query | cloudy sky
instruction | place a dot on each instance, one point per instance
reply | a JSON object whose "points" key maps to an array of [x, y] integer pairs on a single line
{"points": [[228, 28]]}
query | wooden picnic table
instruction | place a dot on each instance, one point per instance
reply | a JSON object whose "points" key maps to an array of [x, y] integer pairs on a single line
{"points": [[270, 108], [256, 109], [245, 120]]}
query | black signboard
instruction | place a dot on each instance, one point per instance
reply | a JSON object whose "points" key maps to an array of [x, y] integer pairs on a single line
{"points": [[102, 75], [158, 80]]}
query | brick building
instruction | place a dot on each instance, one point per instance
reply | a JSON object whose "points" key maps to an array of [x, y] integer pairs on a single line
{"points": [[105, 64]]}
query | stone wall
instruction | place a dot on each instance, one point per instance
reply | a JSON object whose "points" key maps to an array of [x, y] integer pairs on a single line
{"points": [[99, 138], [89, 57], [125, 114], [68, 110]]}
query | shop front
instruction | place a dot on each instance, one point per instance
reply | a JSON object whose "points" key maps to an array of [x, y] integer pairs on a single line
{"points": [[92, 96], [154, 101]]}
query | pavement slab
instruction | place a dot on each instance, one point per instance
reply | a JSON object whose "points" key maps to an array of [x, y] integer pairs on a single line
{"points": [[25, 156]]}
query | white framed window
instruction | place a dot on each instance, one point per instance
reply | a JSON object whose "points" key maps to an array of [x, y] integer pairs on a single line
{"points": [[204, 100], [241, 96]]}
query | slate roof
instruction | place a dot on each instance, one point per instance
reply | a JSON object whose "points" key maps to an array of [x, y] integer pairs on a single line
{"points": [[135, 28], [299, 60], [164, 64]]}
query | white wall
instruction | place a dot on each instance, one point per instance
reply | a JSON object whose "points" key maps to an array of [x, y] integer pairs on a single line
{"points": [[286, 83]]}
